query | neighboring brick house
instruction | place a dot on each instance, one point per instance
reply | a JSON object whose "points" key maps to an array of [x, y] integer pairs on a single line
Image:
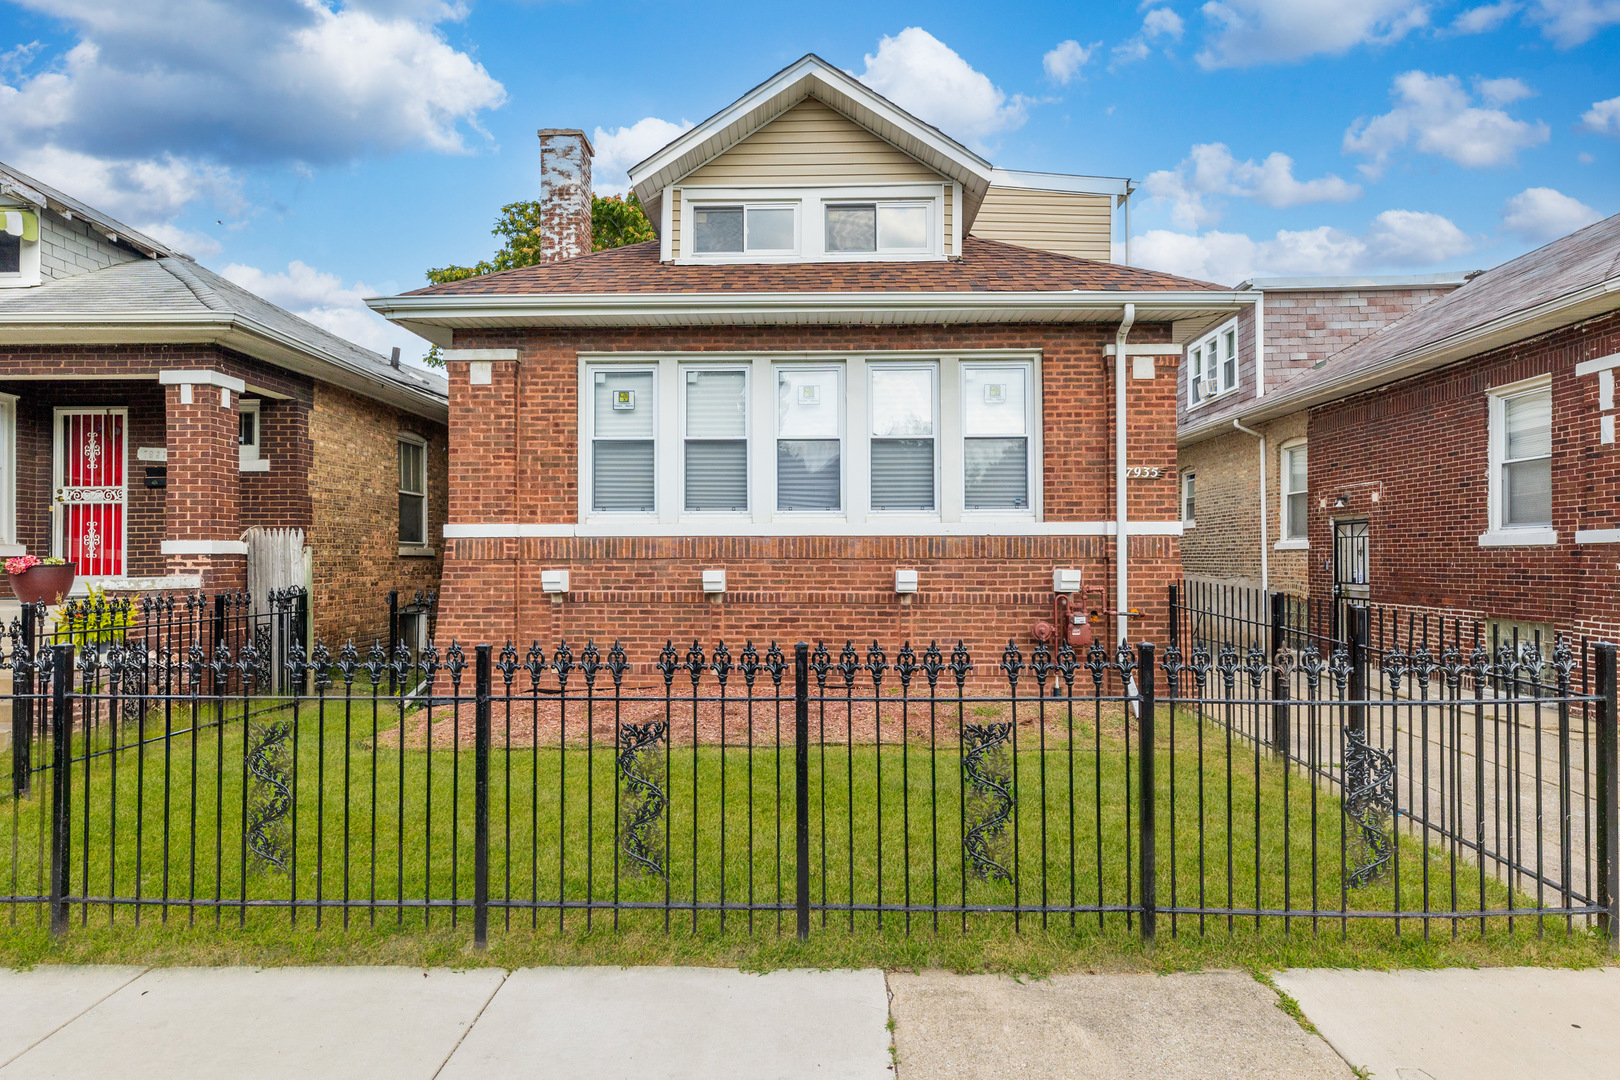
{"points": [[152, 411], [1227, 475], [1463, 459], [822, 404]]}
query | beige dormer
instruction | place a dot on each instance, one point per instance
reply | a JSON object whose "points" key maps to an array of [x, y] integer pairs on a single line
{"points": [[813, 166]]}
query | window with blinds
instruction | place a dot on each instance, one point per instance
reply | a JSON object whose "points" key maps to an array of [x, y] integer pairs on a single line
{"points": [[1526, 459], [902, 437], [809, 439], [1295, 498], [716, 440], [995, 436], [412, 492], [623, 471]]}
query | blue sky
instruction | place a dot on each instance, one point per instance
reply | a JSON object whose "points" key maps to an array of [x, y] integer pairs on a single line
{"points": [[322, 150]]}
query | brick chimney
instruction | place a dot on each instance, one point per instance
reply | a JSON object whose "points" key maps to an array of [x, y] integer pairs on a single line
{"points": [[565, 194]]}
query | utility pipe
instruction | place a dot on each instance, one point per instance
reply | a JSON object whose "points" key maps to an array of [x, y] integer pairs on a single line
{"points": [[1121, 539], [1265, 565]]}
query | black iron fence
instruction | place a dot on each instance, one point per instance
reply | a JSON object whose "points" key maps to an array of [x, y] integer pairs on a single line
{"points": [[811, 789]]}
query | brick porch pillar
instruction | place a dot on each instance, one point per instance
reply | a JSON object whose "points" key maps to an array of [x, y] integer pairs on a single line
{"points": [[202, 505]]}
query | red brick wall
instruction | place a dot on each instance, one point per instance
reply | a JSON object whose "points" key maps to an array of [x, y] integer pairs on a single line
{"points": [[1422, 446], [514, 458]]}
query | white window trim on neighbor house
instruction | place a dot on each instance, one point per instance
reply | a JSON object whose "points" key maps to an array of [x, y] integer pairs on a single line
{"points": [[8, 478], [1497, 534], [1285, 540], [810, 221], [763, 518], [1201, 347], [248, 457], [27, 274], [1189, 491]]}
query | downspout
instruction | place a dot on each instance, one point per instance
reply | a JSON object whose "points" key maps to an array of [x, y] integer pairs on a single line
{"points": [[1265, 566], [1121, 539]]}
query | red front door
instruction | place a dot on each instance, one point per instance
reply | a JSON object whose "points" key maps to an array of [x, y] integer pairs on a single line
{"points": [[90, 490]]}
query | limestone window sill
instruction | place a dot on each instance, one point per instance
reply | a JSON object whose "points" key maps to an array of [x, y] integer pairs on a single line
{"points": [[1292, 545], [1189, 524], [256, 465], [412, 551], [1519, 538]]}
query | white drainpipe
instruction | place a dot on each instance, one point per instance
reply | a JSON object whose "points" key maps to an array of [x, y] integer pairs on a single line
{"points": [[1265, 566], [1121, 519]]}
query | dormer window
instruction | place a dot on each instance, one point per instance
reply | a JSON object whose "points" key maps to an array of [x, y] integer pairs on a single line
{"points": [[746, 229], [877, 227], [19, 247]]}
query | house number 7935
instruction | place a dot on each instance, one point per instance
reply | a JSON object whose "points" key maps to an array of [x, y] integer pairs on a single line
{"points": [[1144, 472]]}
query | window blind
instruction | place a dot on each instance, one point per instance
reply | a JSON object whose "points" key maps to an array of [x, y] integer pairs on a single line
{"points": [[997, 474], [1527, 459], [902, 454], [622, 469]]}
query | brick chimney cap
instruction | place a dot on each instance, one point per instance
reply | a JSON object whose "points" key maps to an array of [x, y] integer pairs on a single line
{"points": [[545, 132]]}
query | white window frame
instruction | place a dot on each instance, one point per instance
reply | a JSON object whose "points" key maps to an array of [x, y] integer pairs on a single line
{"points": [[249, 456], [681, 436], [877, 205], [1189, 479], [689, 210], [932, 368], [1286, 542], [1202, 347], [426, 546], [810, 220], [587, 450], [8, 477], [1032, 436], [28, 270], [763, 518], [1497, 534], [844, 441]]}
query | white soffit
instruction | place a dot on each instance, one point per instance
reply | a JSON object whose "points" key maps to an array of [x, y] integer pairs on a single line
{"points": [[808, 77]]}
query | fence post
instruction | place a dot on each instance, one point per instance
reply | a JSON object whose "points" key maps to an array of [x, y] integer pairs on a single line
{"points": [[1608, 801], [801, 786], [393, 638], [61, 763], [1279, 679], [301, 633], [1147, 793], [481, 726], [1358, 668], [1175, 617]]}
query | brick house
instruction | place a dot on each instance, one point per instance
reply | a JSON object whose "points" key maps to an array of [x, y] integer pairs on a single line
{"points": [[1228, 475], [1462, 459], [151, 412], [862, 385]]}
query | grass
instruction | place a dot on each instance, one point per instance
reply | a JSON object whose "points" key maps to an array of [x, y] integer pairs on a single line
{"points": [[385, 820]]}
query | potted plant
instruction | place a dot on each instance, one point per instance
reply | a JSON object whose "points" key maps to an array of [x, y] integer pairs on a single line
{"points": [[37, 580]]}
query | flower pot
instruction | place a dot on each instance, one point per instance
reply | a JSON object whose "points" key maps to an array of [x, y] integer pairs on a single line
{"points": [[44, 584]]}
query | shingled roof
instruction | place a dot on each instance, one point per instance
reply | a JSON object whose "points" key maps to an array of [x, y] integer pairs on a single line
{"points": [[985, 266]]}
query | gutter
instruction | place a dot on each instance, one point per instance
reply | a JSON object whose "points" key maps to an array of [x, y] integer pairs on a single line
{"points": [[1265, 541], [1121, 512]]}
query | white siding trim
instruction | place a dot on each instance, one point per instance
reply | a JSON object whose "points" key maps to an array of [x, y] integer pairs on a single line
{"points": [[886, 526]]}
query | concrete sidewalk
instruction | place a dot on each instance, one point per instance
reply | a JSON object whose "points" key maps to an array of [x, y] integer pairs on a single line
{"points": [[599, 1023]]}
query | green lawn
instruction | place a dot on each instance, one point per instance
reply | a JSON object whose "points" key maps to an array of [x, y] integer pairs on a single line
{"points": [[395, 824]]}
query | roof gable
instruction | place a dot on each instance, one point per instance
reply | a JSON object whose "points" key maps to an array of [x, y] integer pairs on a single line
{"points": [[811, 77], [811, 143]]}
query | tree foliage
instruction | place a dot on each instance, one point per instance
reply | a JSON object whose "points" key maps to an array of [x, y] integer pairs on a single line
{"points": [[615, 222]]}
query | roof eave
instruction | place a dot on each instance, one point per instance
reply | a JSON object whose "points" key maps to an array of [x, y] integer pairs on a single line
{"points": [[226, 329], [1573, 307]]}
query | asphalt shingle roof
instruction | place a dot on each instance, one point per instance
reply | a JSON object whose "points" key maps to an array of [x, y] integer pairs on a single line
{"points": [[985, 266]]}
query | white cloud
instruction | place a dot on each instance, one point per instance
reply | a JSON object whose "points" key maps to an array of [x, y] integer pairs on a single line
{"points": [[1210, 170], [157, 106], [1278, 31], [926, 77], [1539, 214], [1065, 60], [1396, 239], [1603, 117], [1434, 114], [1567, 23], [1503, 91], [1484, 19], [1159, 23], [617, 150], [324, 300]]}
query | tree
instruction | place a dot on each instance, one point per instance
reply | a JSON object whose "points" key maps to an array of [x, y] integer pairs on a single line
{"points": [[615, 222]]}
